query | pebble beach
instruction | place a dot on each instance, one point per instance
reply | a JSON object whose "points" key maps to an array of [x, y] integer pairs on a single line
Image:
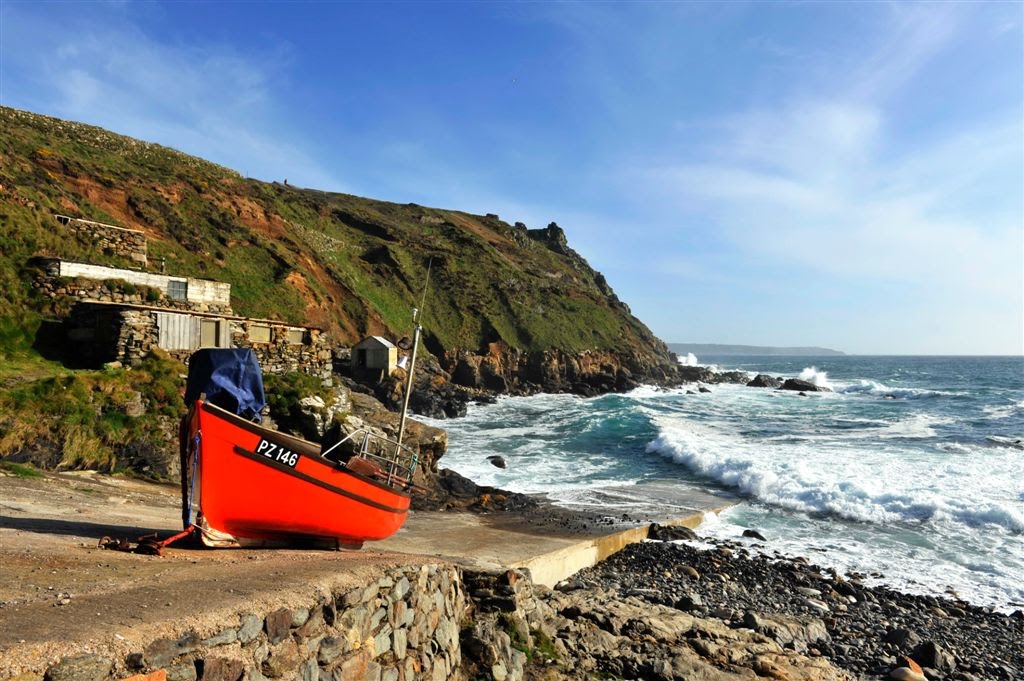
{"points": [[869, 631]]}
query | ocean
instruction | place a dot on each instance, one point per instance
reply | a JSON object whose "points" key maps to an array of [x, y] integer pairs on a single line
{"points": [[911, 471]]}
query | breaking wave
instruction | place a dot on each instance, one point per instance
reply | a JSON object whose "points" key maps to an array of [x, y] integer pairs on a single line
{"points": [[840, 483], [869, 387]]}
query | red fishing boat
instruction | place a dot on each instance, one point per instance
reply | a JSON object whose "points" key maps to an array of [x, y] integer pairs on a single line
{"points": [[245, 484]]}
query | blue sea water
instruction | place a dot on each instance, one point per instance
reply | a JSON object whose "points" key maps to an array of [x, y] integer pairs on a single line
{"points": [[912, 468]]}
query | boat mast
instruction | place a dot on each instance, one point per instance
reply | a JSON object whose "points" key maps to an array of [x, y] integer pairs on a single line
{"points": [[412, 360], [408, 378]]}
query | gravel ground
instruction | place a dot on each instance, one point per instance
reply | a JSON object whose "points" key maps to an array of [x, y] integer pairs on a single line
{"points": [[870, 629]]}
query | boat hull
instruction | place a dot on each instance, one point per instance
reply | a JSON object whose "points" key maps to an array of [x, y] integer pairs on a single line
{"points": [[245, 482]]}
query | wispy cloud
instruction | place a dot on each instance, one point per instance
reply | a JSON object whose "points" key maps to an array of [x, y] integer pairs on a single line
{"points": [[205, 99], [810, 193], [916, 33]]}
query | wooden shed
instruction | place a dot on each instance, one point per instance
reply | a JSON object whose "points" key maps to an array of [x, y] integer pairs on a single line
{"points": [[375, 353]]}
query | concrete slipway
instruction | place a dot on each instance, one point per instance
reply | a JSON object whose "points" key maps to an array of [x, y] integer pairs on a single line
{"points": [[60, 594]]}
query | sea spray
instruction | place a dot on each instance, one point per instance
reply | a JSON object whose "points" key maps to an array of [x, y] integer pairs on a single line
{"points": [[813, 375]]}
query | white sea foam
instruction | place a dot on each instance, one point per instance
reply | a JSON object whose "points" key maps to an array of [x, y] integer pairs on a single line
{"points": [[690, 360], [1003, 411], [849, 547], [869, 387], [917, 426]]}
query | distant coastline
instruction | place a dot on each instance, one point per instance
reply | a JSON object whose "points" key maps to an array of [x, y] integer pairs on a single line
{"points": [[722, 349]]}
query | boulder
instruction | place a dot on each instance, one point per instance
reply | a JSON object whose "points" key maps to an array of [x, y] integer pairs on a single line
{"points": [[904, 639], [670, 533], [931, 654]]}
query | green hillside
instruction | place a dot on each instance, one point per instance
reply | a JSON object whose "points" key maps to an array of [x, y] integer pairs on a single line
{"points": [[348, 264]]}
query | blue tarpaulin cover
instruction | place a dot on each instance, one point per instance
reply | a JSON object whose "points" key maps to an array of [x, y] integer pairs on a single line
{"points": [[231, 379]]}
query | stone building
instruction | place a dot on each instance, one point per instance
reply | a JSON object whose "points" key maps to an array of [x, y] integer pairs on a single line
{"points": [[375, 354], [120, 314], [58, 278], [125, 333]]}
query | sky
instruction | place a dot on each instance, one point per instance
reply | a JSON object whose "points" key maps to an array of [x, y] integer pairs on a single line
{"points": [[848, 175]]}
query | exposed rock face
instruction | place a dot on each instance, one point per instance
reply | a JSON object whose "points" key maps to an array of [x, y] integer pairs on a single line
{"points": [[584, 634], [503, 369], [867, 631], [451, 491], [670, 532], [803, 386]]}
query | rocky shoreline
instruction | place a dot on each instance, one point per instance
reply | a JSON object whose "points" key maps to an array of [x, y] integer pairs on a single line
{"points": [[869, 631]]}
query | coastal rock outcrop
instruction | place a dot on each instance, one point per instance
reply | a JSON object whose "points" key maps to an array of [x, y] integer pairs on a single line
{"points": [[801, 385], [505, 369], [765, 381], [701, 374]]}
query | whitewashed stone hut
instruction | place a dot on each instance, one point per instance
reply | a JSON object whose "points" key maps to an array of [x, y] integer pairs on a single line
{"points": [[375, 354]]}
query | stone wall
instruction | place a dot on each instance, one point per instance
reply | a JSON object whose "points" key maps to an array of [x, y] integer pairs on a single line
{"points": [[129, 243], [405, 626], [313, 356], [111, 334], [436, 622]]}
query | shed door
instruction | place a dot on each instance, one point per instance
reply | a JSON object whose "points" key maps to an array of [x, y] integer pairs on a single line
{"points": [[209, 333], [175, 331]]}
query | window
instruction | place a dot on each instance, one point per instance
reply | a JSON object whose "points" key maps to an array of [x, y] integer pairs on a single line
{"points": [[296, 336], [177, 290], [259, 333], [209, 333]]}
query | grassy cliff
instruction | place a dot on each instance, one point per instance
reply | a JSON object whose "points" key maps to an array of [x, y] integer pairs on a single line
{"points": [[352, 266], [348, 264]]}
